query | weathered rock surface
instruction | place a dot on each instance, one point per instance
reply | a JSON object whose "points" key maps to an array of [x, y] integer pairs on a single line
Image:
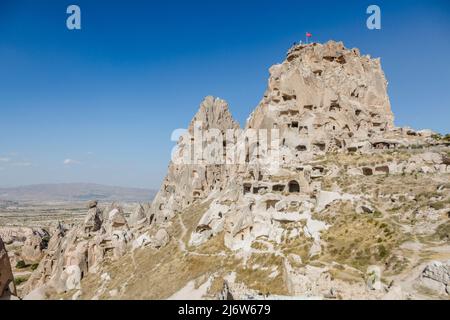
{"points": [[34, 246], [436, 277], [334, 172], [7, 287]]}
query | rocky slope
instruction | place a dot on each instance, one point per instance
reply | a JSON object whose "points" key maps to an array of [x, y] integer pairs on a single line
{"points": [[334, 203]]}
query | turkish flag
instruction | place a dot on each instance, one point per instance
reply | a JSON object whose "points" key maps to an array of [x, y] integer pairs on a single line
{"points": [[309, 35]]}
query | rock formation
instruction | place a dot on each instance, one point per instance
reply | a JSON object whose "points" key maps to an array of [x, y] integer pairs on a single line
{"points": [[7, 287], [197, 179], [317, 175]]}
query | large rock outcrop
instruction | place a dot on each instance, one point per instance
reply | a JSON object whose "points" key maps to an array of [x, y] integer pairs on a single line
{"points": [[7, 287], [191, 178], [263, 195], [324, 98], [321, 99]]}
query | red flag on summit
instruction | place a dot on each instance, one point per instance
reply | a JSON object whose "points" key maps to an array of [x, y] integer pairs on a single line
{"points": [[309, 35]]}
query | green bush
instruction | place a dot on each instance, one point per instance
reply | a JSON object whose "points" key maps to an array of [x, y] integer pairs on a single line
{"points": [[21, 265], [19, 280], [436, 136], [437, 205], [382, 251]]}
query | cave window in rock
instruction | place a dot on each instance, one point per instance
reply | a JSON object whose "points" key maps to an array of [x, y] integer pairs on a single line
{"points": [[257, 189], [294, 187], [318, 72], [335, 107], [358, 112], [318, 170], [339, 143], [384, 169], [301, 148], [331, 126], [340, 60], [271, 204], [382, 145], [367, 171], [320, 146], [278, 188], [309, 107], [294, 124], [287, 97]]}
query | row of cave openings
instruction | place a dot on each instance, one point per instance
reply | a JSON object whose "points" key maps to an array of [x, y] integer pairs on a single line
{"points": [[331, 125], [293, 187]]}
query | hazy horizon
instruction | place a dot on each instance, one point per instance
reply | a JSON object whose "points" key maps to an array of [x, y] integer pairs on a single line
{"points": [[98, 105]]}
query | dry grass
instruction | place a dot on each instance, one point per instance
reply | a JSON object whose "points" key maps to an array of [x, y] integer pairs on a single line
{"points": [[257, 278], [358, 240]]}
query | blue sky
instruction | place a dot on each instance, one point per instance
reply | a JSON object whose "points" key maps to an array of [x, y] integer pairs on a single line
{"points": [[108, 96]]}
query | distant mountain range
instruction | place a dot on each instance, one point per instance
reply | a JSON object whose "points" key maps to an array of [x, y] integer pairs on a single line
{"points": [[75, 192]]}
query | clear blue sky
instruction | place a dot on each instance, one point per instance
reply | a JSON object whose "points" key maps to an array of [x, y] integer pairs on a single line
{"points": [[108, 96]]}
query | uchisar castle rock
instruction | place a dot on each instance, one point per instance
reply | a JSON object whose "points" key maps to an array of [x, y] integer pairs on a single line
{"points": [[341, 204]]}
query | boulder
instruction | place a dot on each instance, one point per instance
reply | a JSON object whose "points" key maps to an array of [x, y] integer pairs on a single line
{"points": [[436, 277], [365, 208], [33, 248], [373, 278], [116, 219], [73, 280], [92, 204], [141, 241], [94, 219], [161, 238], [138, 216]]}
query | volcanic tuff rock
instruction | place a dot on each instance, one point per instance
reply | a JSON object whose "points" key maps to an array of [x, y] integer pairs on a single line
{"points": [[323, 99], [332, 193], [75, 251], [186, 183], [7, 287]]}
